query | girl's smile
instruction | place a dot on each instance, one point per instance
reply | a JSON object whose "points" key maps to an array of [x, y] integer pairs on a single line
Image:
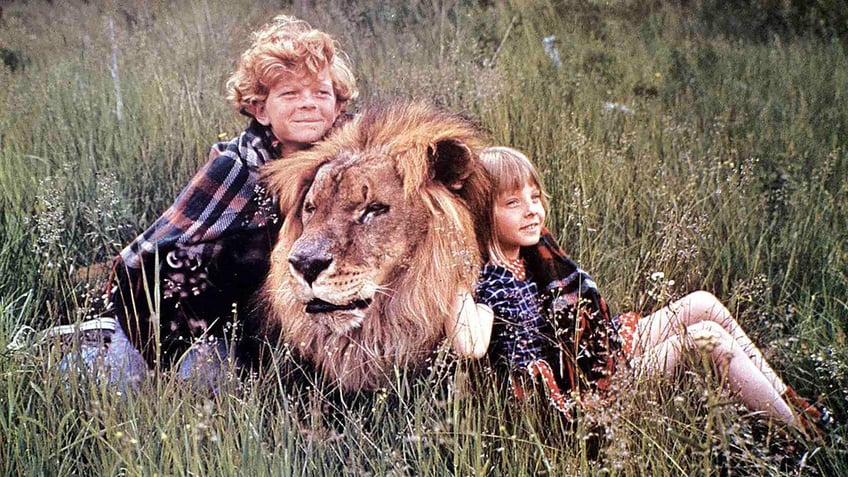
{"points": [[519, 215]]}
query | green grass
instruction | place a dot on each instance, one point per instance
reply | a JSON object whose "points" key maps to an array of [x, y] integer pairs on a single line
{"points": [[728, 176]]}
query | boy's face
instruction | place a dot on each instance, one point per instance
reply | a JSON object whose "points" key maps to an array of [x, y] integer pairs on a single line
{"points": [[300, 109], [519, 216]]}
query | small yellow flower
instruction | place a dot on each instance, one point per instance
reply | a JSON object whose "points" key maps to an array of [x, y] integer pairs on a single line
{"points": [[119, 435], [222, 135], [704, 340], [657, 75]]}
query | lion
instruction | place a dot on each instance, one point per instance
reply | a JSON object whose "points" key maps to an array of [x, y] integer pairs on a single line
{"points": [[378, 238]]}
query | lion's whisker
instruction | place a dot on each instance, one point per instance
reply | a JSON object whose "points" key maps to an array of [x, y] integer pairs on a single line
{"points": [[385, 291]]}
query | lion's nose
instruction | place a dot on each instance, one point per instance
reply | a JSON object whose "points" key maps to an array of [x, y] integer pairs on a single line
{"points": [[309, 266]]}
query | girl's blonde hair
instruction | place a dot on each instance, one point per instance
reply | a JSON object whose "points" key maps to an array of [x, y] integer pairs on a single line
{"points": [[287, 46], [509, 170]]}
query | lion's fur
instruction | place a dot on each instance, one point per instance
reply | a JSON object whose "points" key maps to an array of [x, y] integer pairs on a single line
{"points": [[433, 154]]}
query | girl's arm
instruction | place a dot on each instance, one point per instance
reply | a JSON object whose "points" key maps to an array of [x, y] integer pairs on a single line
{"points": [[469, 326]]}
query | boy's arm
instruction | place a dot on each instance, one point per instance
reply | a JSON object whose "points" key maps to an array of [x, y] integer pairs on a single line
{"points": [[207, 208], [180, 245]]}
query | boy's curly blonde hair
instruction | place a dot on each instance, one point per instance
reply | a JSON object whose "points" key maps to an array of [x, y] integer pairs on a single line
{"points": [[288, 45]]}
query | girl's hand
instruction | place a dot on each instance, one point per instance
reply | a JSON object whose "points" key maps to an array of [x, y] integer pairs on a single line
{"points": [[469, 326]]}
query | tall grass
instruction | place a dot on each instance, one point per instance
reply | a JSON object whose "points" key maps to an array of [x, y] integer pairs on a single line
{"points": [[726, 172]]}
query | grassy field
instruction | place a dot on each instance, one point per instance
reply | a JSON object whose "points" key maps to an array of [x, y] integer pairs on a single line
{"points": [[678, 157]]}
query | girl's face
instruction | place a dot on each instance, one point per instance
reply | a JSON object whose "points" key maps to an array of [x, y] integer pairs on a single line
{"points": [[519, 216]]}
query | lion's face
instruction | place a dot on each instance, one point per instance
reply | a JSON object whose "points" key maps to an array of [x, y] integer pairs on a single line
{"points": [[359, 232], [378, 239]]}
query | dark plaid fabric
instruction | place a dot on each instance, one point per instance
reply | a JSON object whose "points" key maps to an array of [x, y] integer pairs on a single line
{"points": [[222, 198], [518, 330], [206, 255], [577, 336]]}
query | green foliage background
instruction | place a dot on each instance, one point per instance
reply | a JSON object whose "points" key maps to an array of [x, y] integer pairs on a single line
{"points": [[686, 138]]}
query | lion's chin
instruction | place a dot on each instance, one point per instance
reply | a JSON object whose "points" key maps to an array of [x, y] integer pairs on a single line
{"points": [[342, 321]]}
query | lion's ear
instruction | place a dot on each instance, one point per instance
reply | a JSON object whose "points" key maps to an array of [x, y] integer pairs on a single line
{"points": [[454, 164], [451, 163]]}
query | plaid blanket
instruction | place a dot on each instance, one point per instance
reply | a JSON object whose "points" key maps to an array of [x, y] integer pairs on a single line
{"points": [[518, 335], [223, 197], [210, 250], [569, 319]]}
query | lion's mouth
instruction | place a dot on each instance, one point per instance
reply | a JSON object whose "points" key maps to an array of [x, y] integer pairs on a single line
{"points": [[317, 305]]}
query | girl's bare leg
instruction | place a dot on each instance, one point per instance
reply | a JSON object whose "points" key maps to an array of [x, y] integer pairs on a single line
{"points": [[699, 307], [745, 378]]}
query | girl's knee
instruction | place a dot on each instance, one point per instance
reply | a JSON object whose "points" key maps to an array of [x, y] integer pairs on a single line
{"points": [[702, 298], [706, 305]]}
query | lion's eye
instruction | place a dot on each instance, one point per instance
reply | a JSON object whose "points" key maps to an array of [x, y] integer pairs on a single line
{"points": [[308, 207], [373, 210]]}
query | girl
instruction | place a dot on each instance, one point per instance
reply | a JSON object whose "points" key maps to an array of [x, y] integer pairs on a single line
{"points": [[540, 297]]}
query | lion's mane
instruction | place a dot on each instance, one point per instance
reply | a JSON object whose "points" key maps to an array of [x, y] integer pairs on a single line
{"points": [[433, 152]]}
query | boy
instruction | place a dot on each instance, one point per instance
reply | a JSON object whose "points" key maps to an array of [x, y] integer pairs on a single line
{"points": [[199, 264]]}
